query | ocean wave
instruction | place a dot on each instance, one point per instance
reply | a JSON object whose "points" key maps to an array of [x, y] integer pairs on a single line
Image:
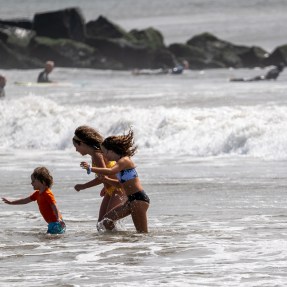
{"points": [[259, 131]]}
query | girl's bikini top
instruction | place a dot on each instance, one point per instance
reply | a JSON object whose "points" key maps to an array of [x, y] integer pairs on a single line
{"points": [[111, 188], [127, 174]]}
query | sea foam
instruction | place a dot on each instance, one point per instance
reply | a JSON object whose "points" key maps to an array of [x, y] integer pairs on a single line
{"points": [[42, 124]]}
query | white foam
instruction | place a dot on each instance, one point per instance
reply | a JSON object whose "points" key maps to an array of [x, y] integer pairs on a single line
{"points": [[258, 131]]}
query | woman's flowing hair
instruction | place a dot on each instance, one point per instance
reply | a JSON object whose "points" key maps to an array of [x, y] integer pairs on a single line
{"points": [[122, 145]]}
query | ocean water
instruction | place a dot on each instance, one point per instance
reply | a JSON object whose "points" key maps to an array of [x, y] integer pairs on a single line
{"points": [[211, 156]]}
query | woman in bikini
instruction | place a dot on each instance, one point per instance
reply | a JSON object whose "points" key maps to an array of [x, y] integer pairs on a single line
{"points": [[87, 141], [120, 149]]}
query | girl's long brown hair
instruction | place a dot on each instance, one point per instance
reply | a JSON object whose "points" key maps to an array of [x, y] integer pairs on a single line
{"points": [[89, 136], [122, 145]]}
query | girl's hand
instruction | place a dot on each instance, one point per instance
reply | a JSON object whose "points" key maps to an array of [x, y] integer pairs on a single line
{"points": [[84, 165], [101, 177], [103, 192], [78, 187]]}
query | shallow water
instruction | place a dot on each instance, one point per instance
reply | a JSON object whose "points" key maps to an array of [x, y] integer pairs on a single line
{"points": [[225, 224], [213, 164], [211, 156]]}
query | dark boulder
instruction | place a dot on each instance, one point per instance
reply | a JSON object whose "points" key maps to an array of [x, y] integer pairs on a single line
{"points": [[149, 37], [137, 49], [253, 57], [217, 50], [10, 59], [278, 56], [15, 36], [161, 58], [121, 51], [3, 35], [103, 28], [20, 23], [193, 55], [68, 24], [14, 49], [130, 55], [65, 52], [185, 51]]}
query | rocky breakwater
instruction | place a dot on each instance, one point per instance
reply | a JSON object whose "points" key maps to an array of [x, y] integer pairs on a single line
{"points": [[66, 38]]}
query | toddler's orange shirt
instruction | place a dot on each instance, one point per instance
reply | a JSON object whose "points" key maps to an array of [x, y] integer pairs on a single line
{"points": [[44, 200]]}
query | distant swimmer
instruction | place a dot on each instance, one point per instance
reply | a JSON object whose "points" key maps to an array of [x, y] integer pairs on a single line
{"points": [[177, 70], [270, 75], [2, 86], [274, 73], [43, 76]]}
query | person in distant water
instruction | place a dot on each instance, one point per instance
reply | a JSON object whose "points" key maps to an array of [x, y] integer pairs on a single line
{"points": [[120, 149], [87, 141], [270, 75], [43, 76], [2, 86], [42, 180], [274, 73], [177, 70]]}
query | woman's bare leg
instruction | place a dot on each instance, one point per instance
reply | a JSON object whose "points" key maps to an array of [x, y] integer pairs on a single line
{"points": [[117, 198], [104, 207], [115, 214], [139, 215]]}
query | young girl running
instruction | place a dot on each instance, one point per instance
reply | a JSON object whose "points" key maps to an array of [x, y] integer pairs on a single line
{"points": [[87, 141], [42, 180], [120, 149]]}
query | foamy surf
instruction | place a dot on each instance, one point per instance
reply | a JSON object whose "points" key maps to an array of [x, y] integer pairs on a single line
{"points": [[257, 131]]}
